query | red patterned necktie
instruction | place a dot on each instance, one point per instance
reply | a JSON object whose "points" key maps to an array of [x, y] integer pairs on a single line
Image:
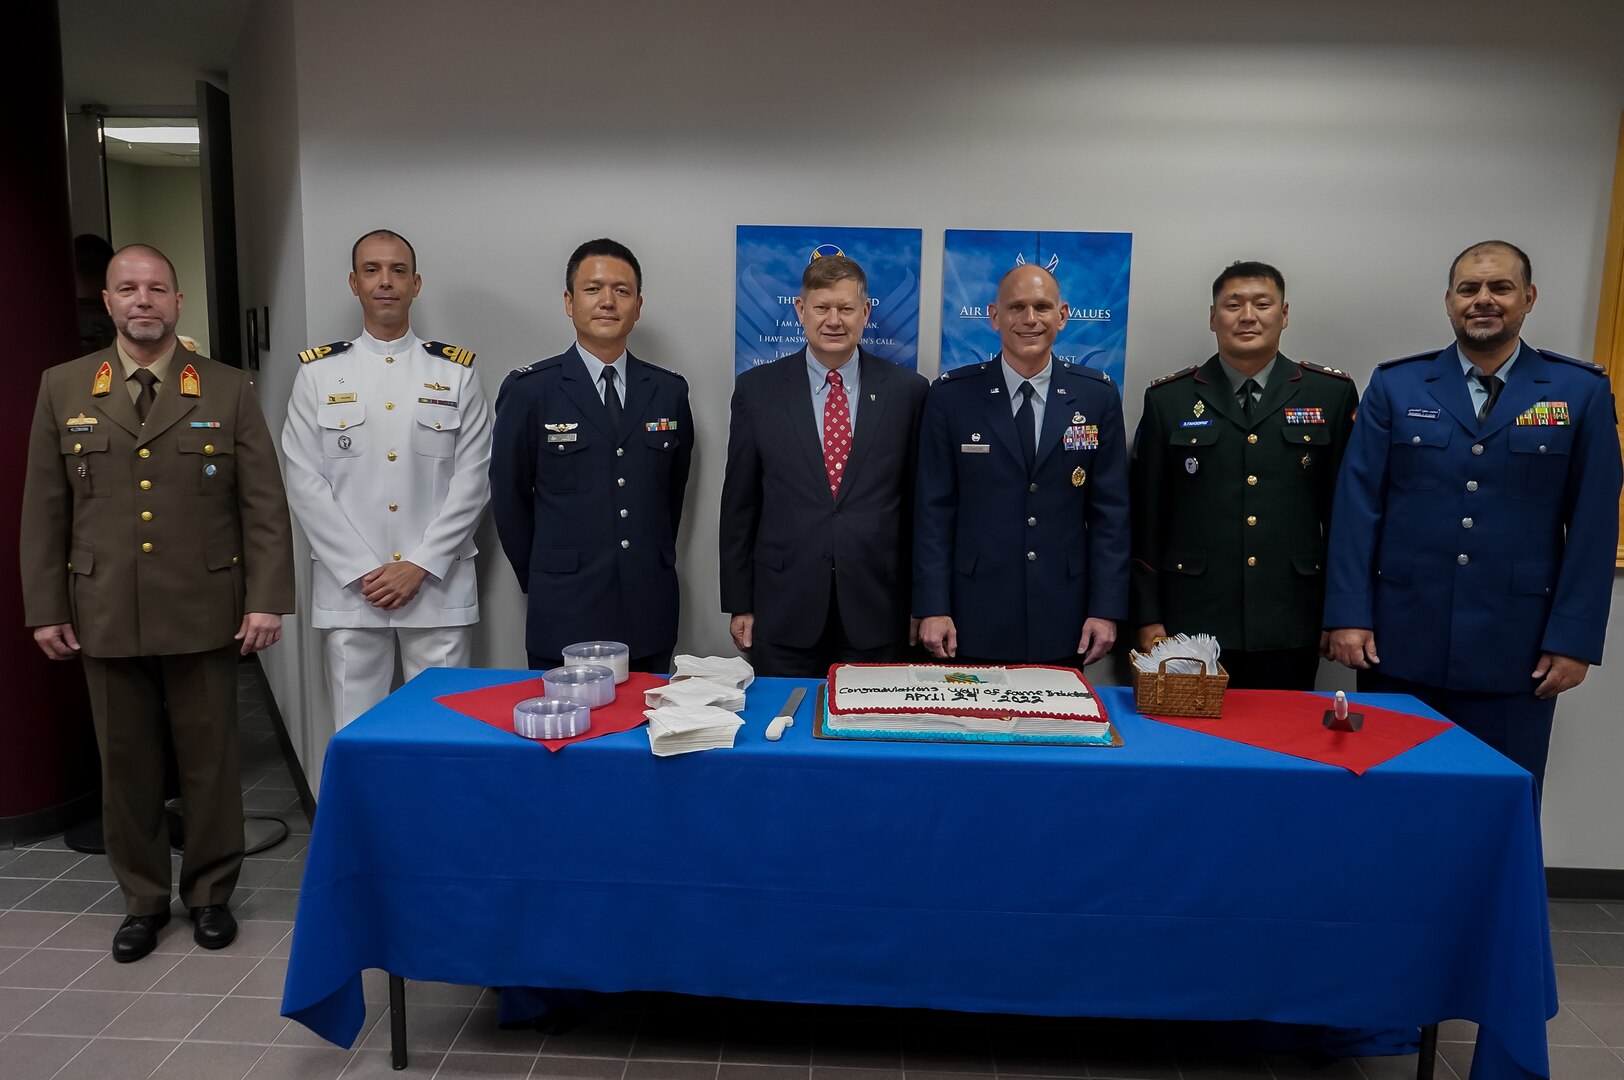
{"points": [[836, 433]]}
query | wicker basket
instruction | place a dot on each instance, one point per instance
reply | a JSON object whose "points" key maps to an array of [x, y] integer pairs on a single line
{"points": [[1178, 694]]}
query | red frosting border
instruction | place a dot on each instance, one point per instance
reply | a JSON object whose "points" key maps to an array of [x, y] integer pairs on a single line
{"points": [[981, 714]]}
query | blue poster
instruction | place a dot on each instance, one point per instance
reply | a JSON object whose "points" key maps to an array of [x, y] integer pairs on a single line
{"points": [[1092, 269], [770, 261]]}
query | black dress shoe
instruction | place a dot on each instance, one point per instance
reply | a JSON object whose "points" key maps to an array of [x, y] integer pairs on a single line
{"points": [[137, 935], [213, 927]]}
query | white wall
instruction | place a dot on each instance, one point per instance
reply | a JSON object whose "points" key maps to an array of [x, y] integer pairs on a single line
{"points": [[162, 205], [1358, 149]]}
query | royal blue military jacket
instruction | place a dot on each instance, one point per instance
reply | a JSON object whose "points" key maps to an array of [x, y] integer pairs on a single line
{"points": [[1469, 549], [588, 512], [1019, 559]]}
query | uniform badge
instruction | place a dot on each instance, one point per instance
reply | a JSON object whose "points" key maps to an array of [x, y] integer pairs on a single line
{"points": [[209, 470], [340, 399], [1545, 414], [104, 381], [662, 424], [1078, 418], [1060, 389], [561, 427], [560, 437], [1078, 476], [435, 386], [1195, 423], [344, 442], [190, 384], [1200, 407], [1192, 466], [1423, 414], [83, 470], [1083, 437], [1314, 415], [82, 421], [975, 436], [205, 423], [1308, 459]]}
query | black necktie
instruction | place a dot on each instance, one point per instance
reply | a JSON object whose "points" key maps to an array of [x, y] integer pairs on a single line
{"points": [[148, 393], [1492, 384], [1026, 426], [1248, 388], [611, 397]]}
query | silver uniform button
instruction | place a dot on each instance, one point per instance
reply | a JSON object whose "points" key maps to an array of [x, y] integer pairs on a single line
{"points": [[1031, 487], [1031, 521], [620, 451], [1466, 523], [1477, 448], [620, 481], [1416, 439], [1031, 556], [1471, 485], [1542, 448], [623, 513], [1462, 559], [628, 543]]}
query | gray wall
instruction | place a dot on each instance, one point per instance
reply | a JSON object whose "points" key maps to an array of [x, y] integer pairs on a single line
{"points": [[1357, 149], [162, 205]]}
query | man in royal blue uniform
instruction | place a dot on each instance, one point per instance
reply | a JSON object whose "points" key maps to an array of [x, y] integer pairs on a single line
{"points": [[1476, 520], [588, 471], [1021, 513]]}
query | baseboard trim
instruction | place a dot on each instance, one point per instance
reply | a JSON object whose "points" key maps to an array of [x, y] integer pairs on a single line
{"points": [[295, 769], [1581, 883]]}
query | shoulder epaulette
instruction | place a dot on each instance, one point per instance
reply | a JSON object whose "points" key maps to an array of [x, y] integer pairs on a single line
{"points": [[1595, 369], [663, 371], [449, 352], [1407, 359], [316, 352], [535, 366], [1093, 373], [1323, 370], [1179, 374]]}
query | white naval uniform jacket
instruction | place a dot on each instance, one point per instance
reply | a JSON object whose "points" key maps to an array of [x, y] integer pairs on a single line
{"points": [[388, 446]]}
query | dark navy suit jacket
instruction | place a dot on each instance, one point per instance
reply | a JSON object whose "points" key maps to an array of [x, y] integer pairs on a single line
{"points": [[587, 513], [780, 532], [1468, 548], [1018, 560]]}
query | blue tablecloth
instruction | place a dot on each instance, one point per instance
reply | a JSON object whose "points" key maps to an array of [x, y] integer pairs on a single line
{"points": [[1179, 876]]}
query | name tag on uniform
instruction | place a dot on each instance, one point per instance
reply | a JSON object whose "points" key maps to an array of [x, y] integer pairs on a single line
{"points": [[557, 437], [1314, 415], [975, 448], [1195, 423], [1545, 414], [340, 399], [1423, 414], [1083, 437]]}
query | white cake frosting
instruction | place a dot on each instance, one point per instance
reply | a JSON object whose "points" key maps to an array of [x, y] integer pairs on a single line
{"points": [[979, 703]]}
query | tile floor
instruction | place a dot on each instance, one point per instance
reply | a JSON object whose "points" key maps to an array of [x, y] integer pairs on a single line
{"points": [[67, 1011]]}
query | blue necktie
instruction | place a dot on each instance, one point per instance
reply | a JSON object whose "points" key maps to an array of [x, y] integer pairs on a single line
{"points": [[1026, 426]]}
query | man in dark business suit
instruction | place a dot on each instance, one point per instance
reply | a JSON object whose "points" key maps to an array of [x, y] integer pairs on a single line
{"points": [[588, 470], [816, 503], [1021, 507]]}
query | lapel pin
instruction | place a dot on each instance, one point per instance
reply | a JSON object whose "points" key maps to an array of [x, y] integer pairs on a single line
{"points": [[975, 436]]}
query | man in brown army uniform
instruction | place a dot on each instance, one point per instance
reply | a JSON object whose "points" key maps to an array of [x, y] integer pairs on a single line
{"points": [[156, 548]]}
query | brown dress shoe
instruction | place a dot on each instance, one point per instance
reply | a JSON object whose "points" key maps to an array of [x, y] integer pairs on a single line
{"points": [[137, 935]]}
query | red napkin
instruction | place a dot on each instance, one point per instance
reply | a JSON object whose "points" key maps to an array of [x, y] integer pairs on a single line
{"points": [[493, 705], [1289, 722]]}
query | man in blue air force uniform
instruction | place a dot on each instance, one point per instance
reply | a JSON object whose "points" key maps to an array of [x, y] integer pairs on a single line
{"points": [[1476, 520], [590, 464], [1021, 513]]}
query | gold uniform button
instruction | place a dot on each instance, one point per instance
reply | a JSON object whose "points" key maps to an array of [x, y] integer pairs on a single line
{"points": [[1251, 560], [437, 425], [1251, 519], [70, 566], [146, 485], [146, 515], [235, 560], [208, 448], [391, 455], [77, 447], [393, 507], [1252, 439], [389, 359], [1192, 442], [143, 452], [389, 405], [147, 548], [1251, 481], [396, 556], [342, 424], [1178, 566], [1307, 439]]}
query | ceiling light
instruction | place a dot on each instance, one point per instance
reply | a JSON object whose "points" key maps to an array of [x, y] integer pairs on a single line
{"points": [[180, 136]]}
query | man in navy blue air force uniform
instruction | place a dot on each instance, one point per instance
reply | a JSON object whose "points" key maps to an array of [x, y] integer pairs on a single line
{"points": [[588, 471], [1021, 513], [1476, 520]]}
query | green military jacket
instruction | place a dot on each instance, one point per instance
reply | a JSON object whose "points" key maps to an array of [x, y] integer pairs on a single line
{"points": [[1230, 518]]}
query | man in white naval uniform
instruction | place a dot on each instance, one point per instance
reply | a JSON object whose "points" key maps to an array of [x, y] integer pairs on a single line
{"points": [[388, 442]]}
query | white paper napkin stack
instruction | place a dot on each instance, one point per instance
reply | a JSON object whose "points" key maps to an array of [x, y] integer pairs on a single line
{"points": [[683, 729], [695, 692], [732, 671]]}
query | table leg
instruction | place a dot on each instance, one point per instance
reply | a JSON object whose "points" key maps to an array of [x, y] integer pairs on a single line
{"points": [[1429, 1052], [397, 1023]]}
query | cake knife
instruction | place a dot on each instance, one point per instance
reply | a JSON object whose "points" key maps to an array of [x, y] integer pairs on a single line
{"points": [[786, 715]]}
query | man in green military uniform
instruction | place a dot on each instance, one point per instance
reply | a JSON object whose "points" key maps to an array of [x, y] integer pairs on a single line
{"points": [[1233, 473]]}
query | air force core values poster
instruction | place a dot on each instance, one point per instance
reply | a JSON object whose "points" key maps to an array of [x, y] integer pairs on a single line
{"points": [[770, 261], [1092, 269]]}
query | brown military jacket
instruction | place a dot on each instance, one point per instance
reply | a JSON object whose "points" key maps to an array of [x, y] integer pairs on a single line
{"points": [[152, 540]]}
